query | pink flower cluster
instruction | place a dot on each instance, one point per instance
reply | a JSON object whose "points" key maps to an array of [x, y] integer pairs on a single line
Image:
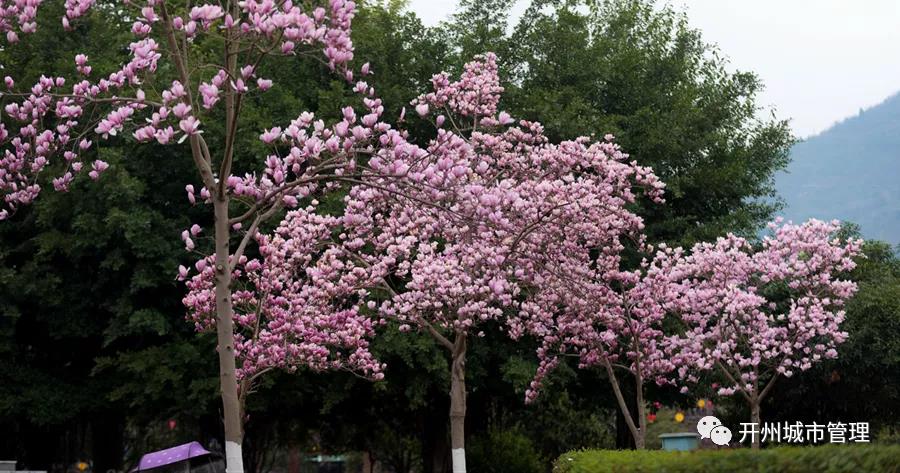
{"points": [[610, 316], [18, 15], [476, 94], [506, 211], [49, 118], [475, 224], [757, 312], [751, 312], [296, 305], [46, 118]]}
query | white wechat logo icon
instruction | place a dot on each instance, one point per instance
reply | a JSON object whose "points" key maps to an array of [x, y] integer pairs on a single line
{"points": [[711, 428]]}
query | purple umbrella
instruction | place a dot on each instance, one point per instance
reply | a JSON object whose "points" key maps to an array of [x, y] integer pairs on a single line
{"points": [[171, 455]]}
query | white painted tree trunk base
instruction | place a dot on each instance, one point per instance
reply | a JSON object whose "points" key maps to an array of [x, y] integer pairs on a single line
{"points": [[459, 460], [234, 458]]}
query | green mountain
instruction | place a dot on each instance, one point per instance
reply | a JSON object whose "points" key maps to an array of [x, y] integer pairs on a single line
{"points": [[850, 172]]}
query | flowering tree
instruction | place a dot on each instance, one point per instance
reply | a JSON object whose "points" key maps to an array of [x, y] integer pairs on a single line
{"points": [[51, 128], [615, 320], [488, 212], [755, 314]]}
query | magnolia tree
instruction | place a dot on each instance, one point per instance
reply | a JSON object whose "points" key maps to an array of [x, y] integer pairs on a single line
{"points": [[488, 210], [614, 320], [281, 320], [757, 313]]}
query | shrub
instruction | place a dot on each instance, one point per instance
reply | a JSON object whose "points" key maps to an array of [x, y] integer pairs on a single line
{"points": [[824, 459], [503, 452]]}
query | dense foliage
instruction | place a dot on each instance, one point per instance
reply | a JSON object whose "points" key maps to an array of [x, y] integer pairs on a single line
{"points": [[828, 459], [636, 69]]}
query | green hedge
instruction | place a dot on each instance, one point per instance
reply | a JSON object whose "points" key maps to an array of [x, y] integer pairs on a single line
{"points": [[824, 459]]}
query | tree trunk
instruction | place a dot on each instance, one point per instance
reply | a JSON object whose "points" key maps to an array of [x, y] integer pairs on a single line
{"points": [[231, 405], [640, 438], [458, 404], [224, 315], [637, 431], [754, 418]]}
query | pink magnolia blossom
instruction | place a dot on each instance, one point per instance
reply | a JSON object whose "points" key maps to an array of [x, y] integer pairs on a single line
{"points": [[787, 296], [474, 223], [287, 318], [189, 125], [97, 167], [264, 84], [210, 94]]}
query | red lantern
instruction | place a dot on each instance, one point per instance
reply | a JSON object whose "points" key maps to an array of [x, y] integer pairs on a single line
{"points": [[172, 424]]}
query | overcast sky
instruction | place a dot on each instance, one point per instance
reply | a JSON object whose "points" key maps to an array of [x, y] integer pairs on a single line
{"points": [[821, 60]]}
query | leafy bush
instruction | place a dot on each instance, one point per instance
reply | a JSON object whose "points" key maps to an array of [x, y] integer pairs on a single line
{"points": [[888, 436], [824, 459], [503, 452]]}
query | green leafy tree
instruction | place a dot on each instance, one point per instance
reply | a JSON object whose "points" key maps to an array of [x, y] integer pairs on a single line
{"points": [[638, 70], [93, 324]]}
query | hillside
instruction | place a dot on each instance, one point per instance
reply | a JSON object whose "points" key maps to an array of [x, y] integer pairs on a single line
{"points": [[850, 172]]}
